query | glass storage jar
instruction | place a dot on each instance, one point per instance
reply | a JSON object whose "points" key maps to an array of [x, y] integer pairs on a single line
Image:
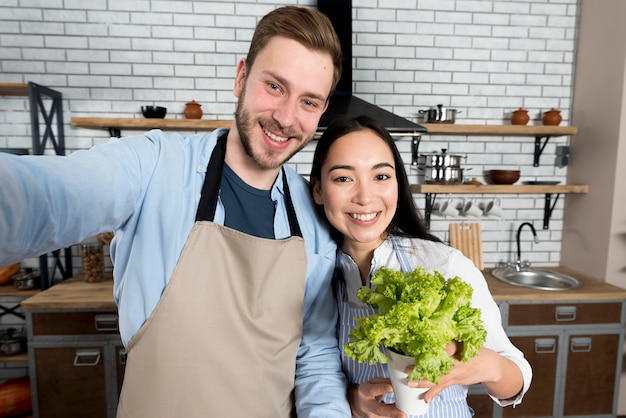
{"points": [[93, 262]]}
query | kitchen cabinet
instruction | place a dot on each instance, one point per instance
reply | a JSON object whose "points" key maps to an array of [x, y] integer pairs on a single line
{"points": [[573, 340], [76, 358]]}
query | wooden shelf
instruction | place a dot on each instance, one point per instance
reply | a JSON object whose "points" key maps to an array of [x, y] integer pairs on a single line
{"points": [[15, 358], [431, 190], [9, 290], [13, 89], [148, 123], [497, 188], [504, 130]]}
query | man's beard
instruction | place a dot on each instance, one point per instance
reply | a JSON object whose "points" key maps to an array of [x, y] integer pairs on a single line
{"points": [[270, 160]]}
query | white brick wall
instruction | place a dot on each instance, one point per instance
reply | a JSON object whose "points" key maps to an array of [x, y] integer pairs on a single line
{"points": [[486, 58]]}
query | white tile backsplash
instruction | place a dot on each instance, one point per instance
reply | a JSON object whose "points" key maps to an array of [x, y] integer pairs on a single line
{"points": [[485, 58]]}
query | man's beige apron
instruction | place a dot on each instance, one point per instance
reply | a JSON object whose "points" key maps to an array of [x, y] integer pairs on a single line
{"points": [[223, 339]]}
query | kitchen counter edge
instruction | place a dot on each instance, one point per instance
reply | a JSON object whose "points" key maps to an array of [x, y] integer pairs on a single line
{"points": [[75, 293], [590, 289]]}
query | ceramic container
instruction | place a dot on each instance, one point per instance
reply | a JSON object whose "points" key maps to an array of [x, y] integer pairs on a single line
{"points": [[193, 110], [520, 117], [552, 117]]}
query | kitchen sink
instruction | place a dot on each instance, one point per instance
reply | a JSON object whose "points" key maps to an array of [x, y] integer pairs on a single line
{"points": [[536, 279]]}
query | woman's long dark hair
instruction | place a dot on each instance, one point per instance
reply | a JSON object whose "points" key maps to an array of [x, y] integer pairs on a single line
{"points": [[406, 221]]}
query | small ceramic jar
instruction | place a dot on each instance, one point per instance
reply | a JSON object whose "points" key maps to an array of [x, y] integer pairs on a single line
{"points": [[552, 117], [520, 117], [193, 110]]}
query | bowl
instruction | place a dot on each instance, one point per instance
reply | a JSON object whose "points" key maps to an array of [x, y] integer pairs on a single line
{"points": [[153, 112], [504, 176]]}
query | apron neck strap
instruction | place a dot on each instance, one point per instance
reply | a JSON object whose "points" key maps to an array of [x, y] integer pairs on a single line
{"points": [[211, 187], [212, 180], [403, 257]]}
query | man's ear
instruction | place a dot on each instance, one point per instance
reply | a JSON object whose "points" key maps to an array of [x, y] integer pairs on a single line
{"points": [[240, 77], [317, 192]]}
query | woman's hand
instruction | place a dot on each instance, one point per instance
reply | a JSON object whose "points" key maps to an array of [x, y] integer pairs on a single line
{"points": [[365, 401], [501, 377]]}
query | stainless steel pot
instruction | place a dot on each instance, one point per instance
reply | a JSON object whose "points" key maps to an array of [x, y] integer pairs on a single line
{"points": [[439, 114], [442, 159], [443, 175], [12, 341], [27, 281]]}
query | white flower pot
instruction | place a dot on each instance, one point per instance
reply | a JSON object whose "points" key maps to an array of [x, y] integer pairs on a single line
{"points": [[409, 400]]}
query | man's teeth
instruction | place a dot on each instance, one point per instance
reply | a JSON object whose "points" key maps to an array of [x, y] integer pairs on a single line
{"points": [[275, 137], [363, 216]]}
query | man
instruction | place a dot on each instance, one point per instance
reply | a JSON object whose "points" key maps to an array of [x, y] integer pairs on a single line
{"points": [[222, 271]]}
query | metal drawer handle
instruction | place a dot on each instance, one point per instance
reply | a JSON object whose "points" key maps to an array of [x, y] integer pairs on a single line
{"points": [[580, 345], [106, 322], [565, 313], [545, 345], [123, 355], [86, 357]]}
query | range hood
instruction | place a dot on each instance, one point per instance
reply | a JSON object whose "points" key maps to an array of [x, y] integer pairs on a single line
{"points": [[343, 101]]}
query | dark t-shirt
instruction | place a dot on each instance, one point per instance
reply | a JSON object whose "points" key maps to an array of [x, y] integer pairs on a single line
{"points": [[247, 209]]}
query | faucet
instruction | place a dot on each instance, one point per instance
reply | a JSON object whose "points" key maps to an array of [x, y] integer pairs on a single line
{"points": [[518, 262]]}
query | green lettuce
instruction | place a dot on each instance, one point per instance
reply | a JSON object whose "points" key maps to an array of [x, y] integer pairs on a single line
{"points": [[419, 313]]}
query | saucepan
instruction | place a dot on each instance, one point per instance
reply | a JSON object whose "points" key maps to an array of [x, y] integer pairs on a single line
{"points": [[439, 114], [12, 341], [443, 175], [441, 159]]}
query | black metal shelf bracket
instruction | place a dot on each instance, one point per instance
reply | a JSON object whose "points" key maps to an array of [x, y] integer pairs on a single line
{"points": [[430, 203], [115, 132], [11, 311], [548, 208], [36, 94], [415, 145], [539, 149]]}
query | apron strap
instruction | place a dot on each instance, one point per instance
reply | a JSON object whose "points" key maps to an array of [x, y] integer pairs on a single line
{"points": [[212, 180], [405, 264], [294, 226], [211, 187]]}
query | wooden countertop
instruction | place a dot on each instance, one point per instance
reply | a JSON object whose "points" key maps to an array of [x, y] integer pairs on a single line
{"points": [[591, 288], [74, 293]]}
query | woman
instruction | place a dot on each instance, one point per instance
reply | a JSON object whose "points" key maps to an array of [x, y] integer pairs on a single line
{"points": [[360, 185]]}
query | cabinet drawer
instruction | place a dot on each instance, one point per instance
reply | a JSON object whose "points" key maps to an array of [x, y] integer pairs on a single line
{"points": [[75, 323], [71, 382], [565, 313]]}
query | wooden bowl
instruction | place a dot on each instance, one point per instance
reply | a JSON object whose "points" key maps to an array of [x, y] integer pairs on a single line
{"points": [[504, 176]]}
